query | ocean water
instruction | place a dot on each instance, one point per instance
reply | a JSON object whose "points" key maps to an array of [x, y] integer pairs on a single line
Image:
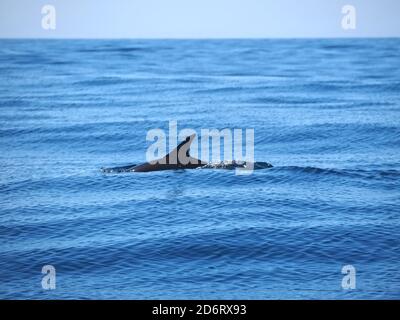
{"points": [[326, 114]]}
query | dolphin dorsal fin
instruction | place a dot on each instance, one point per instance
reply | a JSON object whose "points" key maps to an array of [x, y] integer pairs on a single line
{"points": [[182, 150]]}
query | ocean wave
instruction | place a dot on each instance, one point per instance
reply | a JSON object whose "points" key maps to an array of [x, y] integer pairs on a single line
{"points": [[389, 174], [226, 165], [232, 165]]}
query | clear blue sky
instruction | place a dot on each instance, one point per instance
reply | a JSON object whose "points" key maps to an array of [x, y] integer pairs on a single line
{"points": [[199, 18]]}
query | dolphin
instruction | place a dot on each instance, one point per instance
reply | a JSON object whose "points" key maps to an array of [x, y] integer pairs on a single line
{"points": [[179, 158]]}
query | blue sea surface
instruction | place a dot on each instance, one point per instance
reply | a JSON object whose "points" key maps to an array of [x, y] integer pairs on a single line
{"points": [[326, 114]]}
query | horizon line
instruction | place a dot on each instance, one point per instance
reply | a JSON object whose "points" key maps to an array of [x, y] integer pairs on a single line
{"points": [[202, 38]]}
